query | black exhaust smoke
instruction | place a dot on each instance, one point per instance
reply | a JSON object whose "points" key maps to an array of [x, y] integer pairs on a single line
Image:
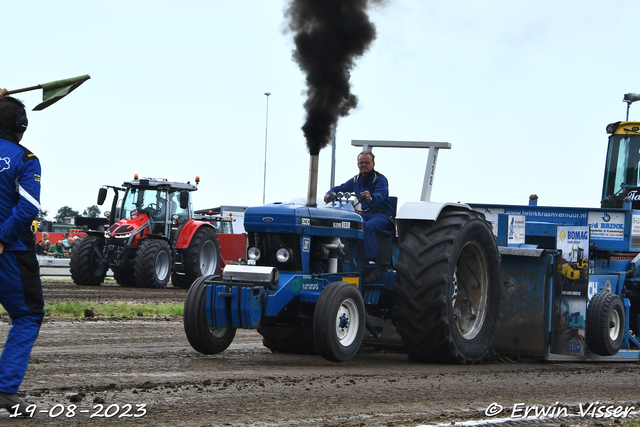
{"points": [[329, 36]]}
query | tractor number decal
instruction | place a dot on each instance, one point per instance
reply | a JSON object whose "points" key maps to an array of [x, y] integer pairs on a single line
{"points": [[317, 222], [310, 286]]}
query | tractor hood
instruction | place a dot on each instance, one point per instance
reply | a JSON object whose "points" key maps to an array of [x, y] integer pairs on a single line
{"points": [[293, 218], [127, 227]]}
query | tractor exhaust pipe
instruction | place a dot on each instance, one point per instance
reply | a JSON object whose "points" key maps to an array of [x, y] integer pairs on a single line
{"points": [[313, 180]]}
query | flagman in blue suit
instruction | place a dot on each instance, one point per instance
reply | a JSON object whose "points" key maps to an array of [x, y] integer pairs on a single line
{"points": [[20, 286]]}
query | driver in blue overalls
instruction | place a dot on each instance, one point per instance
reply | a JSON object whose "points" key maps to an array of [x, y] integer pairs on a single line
{"points": [[377, 211]]}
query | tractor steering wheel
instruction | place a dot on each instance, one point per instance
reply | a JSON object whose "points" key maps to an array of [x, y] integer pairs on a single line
{"points": [[360, 200], [154, 208]]}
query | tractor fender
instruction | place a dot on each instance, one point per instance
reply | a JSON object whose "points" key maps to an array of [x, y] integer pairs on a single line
{"points": [[187, 232], [429, 211], [422, 211]]}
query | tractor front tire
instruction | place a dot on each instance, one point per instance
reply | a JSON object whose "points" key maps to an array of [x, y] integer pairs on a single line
{"points": [[87, 268], [202, 258], [203, 339], [605, 324], [124, 276], [339, 321], [448, 288], [292, 339], [152, 265]]}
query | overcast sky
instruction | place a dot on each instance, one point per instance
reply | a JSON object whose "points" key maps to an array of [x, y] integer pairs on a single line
{"points": [[523, 90]]}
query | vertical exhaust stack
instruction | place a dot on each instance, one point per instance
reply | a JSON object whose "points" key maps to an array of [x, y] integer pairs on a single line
{"points": [[312, 192]]}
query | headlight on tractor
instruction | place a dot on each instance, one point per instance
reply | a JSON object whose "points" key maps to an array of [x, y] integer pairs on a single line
{"points": [[283, 255], [253, 253]]}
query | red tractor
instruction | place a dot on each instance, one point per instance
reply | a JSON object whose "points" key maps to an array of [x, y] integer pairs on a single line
{"points": [[152, 236]]}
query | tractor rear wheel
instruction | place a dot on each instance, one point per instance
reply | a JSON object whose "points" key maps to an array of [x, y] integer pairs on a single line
{"points": [[86, 264], [124, 276], [292, 339], [338, 322], [202, 258], [605, 324], [152, 263], [448, 288], [203, 339]]}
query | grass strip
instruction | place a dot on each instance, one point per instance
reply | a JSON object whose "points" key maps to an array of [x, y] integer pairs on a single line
{"points": [[78, 309]]}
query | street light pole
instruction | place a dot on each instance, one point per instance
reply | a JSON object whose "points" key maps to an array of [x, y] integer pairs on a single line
{"points": [[266, 127]]}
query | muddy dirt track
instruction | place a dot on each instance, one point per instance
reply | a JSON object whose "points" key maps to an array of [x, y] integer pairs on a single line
{"points": [[114, 372]]}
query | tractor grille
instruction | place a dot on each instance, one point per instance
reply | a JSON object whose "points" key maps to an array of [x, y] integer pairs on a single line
{"points": [[269, 245]]}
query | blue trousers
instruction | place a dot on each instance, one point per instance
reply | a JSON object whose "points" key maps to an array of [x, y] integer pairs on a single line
{"points": [[374, 223], [21, 296]]}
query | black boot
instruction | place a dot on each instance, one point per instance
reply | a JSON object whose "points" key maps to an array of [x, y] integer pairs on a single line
{"points": [[9, 400], [370, 274]]}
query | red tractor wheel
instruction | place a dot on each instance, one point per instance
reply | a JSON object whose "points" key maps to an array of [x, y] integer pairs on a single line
{"points": [[202, 258], [86, 264], [152, 263]]}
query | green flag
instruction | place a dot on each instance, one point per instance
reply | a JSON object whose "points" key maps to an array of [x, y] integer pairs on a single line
{"points": [[55, 91]]}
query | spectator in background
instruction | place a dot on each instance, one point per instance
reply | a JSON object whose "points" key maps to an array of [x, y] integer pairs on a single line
{"points": [[47, 248], [67, 243], [58, 251], [70, 242], [45, 237], [41, 247]]}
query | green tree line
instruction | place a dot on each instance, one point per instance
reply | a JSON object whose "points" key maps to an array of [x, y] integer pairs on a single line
{"points": [[68, 212]]}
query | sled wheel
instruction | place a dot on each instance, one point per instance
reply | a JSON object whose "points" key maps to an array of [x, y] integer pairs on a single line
{"points": [[203, 339], [87, 268], [338, 322], [292, 339], [605, 324], [124, 276], [448, 288], [152, 263], [202, 258]]}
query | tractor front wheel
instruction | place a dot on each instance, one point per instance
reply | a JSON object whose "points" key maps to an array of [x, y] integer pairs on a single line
{"points": [[86, 264], [152, 265], [338, 322], [202, 258], [448, 288], [202, 337], [124, 276], [605, 324], [292, 339]]}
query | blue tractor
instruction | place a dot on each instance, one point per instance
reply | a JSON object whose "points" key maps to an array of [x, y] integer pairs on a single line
{"points": [[555, 283], [438, 286]]}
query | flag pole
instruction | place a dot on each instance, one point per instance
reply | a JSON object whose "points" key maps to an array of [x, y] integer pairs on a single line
{"points": [[26, 89], [52, 92]]}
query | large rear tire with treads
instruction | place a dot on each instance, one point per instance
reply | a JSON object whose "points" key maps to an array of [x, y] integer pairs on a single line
{"points": [[448, 287]]}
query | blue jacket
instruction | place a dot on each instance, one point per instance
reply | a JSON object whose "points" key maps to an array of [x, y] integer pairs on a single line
{"points": [[19, 195], [378, 187]]}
